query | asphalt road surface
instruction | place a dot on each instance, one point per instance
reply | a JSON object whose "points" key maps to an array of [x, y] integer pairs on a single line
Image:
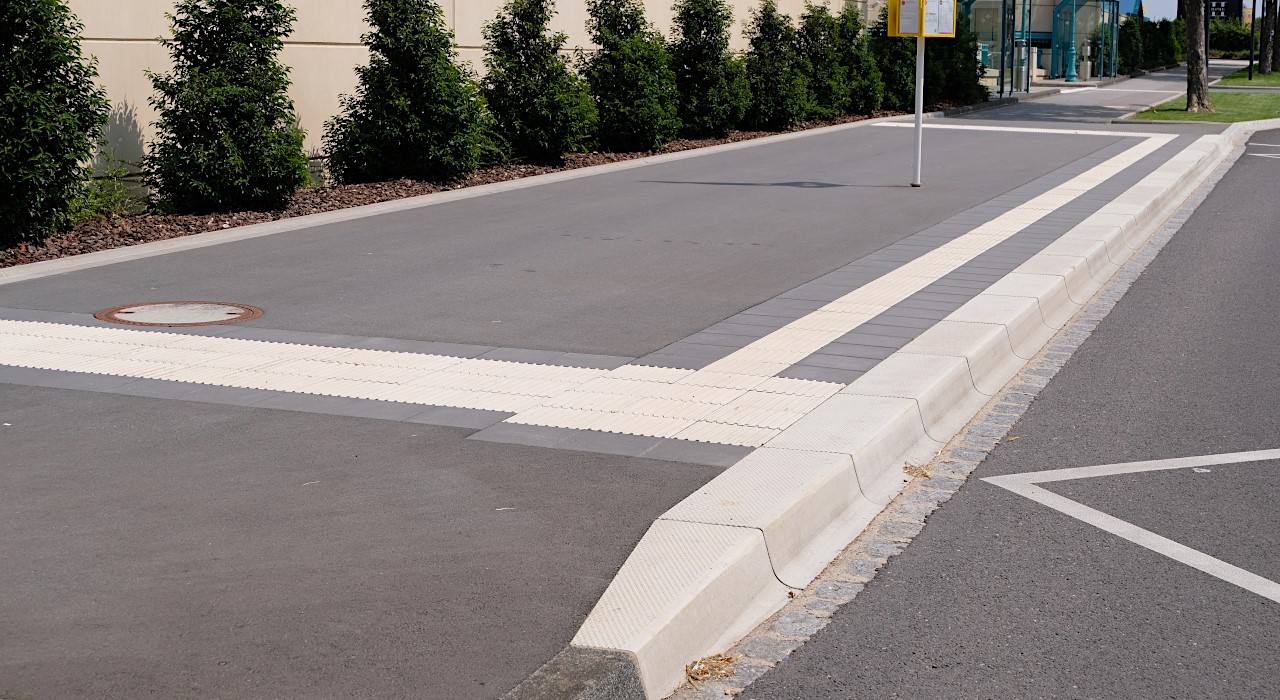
{"points": [[179, 548], [1002, 597]]}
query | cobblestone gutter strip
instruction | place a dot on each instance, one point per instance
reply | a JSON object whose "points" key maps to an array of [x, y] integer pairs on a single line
{"points": [[895, 527]]}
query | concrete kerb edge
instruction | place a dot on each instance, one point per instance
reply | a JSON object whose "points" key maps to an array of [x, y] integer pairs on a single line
{"points": [[792, 507]]}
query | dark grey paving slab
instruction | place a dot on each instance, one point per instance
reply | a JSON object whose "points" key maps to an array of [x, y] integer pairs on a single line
{"points": [[859, 337], [575, 359], [342, 406], [542, 357], [608, 443], [61, 380], [697, 452], [157, 389], [659, 359], [884, 330], [458, 417], [723, 339], [517, 434], [821, 374], [686, 348], [874, 352], [858, 364], [905, 321], [231, 396]]}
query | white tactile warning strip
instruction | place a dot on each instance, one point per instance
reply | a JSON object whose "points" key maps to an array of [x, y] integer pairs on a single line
{"points": [[737, 400]]}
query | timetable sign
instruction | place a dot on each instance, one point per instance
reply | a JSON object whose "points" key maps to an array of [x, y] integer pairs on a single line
{"points": [[927, 18]]}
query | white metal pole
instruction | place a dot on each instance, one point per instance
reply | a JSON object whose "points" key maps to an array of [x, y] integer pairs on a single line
{"points": [[919, 108]]}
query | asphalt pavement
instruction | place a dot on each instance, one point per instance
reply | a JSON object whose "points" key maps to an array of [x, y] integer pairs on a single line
{"points": [[1001, 597], [160, 544]]}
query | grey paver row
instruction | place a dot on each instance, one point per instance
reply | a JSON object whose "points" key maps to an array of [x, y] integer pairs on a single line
{"points": [[901, 324], [722, 339]]}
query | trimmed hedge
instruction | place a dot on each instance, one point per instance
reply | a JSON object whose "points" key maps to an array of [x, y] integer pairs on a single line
{"points": [[774, 71], [711, 82], [866, 86], [51, 115], [226, 137], [823, 63], [416, 113], [630, 78], [539, 104]]}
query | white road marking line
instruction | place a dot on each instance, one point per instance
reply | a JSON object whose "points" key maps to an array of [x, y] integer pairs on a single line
{"points": [[1026, 485], [1264, 155], [1161, 92], [1068, 91], [1269, 145], [1026, 129]]}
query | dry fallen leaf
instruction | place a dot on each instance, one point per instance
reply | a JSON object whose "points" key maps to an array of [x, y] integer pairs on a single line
{"points": [[710, 668]]}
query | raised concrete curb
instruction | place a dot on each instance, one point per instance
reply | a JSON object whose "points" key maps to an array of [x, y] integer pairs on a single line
{"points": [[724, 559]]}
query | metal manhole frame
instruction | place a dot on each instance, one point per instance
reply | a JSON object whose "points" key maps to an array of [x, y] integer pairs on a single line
{"points": [[110, 315]]}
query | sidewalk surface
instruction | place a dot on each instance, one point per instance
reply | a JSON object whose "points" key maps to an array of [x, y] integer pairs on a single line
{"points": [[419, 470], [1001, 596]]}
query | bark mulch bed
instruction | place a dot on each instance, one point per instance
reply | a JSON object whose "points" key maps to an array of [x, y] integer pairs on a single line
{"points": [[106, 234]]}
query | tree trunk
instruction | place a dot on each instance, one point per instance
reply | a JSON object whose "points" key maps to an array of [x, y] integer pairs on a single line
{"points": [[1270, 26], [1197, 75], [1266, 28]]}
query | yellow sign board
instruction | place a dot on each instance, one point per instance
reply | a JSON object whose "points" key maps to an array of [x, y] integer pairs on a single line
{"points": [[926, 18]]}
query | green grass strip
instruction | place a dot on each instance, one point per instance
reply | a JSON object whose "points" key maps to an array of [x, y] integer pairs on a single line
{"points": [[1227, 107]]}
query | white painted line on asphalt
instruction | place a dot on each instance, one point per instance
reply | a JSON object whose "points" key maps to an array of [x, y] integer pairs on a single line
{"points": [[1026, 485], [1068, 91], [1268, 145], [1027, 130], [1161, 92]]}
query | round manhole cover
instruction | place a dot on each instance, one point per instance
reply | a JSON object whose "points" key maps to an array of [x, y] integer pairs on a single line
{"points": [[179, 313]]}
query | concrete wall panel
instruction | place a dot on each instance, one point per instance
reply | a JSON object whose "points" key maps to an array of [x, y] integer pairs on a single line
{"points": [[323, 50]]}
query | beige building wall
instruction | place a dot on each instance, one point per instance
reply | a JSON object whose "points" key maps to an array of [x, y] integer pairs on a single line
{"points": [[323, 52]]}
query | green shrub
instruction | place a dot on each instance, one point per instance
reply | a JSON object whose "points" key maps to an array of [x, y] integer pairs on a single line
{"points": [[416, 112], [1228, 35], [866, 86], [1157, 44], [819, 42], [1178, 30], [107, 194], [540, 105], [630, 78], [711, 83], [953, 71], [51, 115], [227, 136], [778, 89], [896, 59], [1130, 56]]}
